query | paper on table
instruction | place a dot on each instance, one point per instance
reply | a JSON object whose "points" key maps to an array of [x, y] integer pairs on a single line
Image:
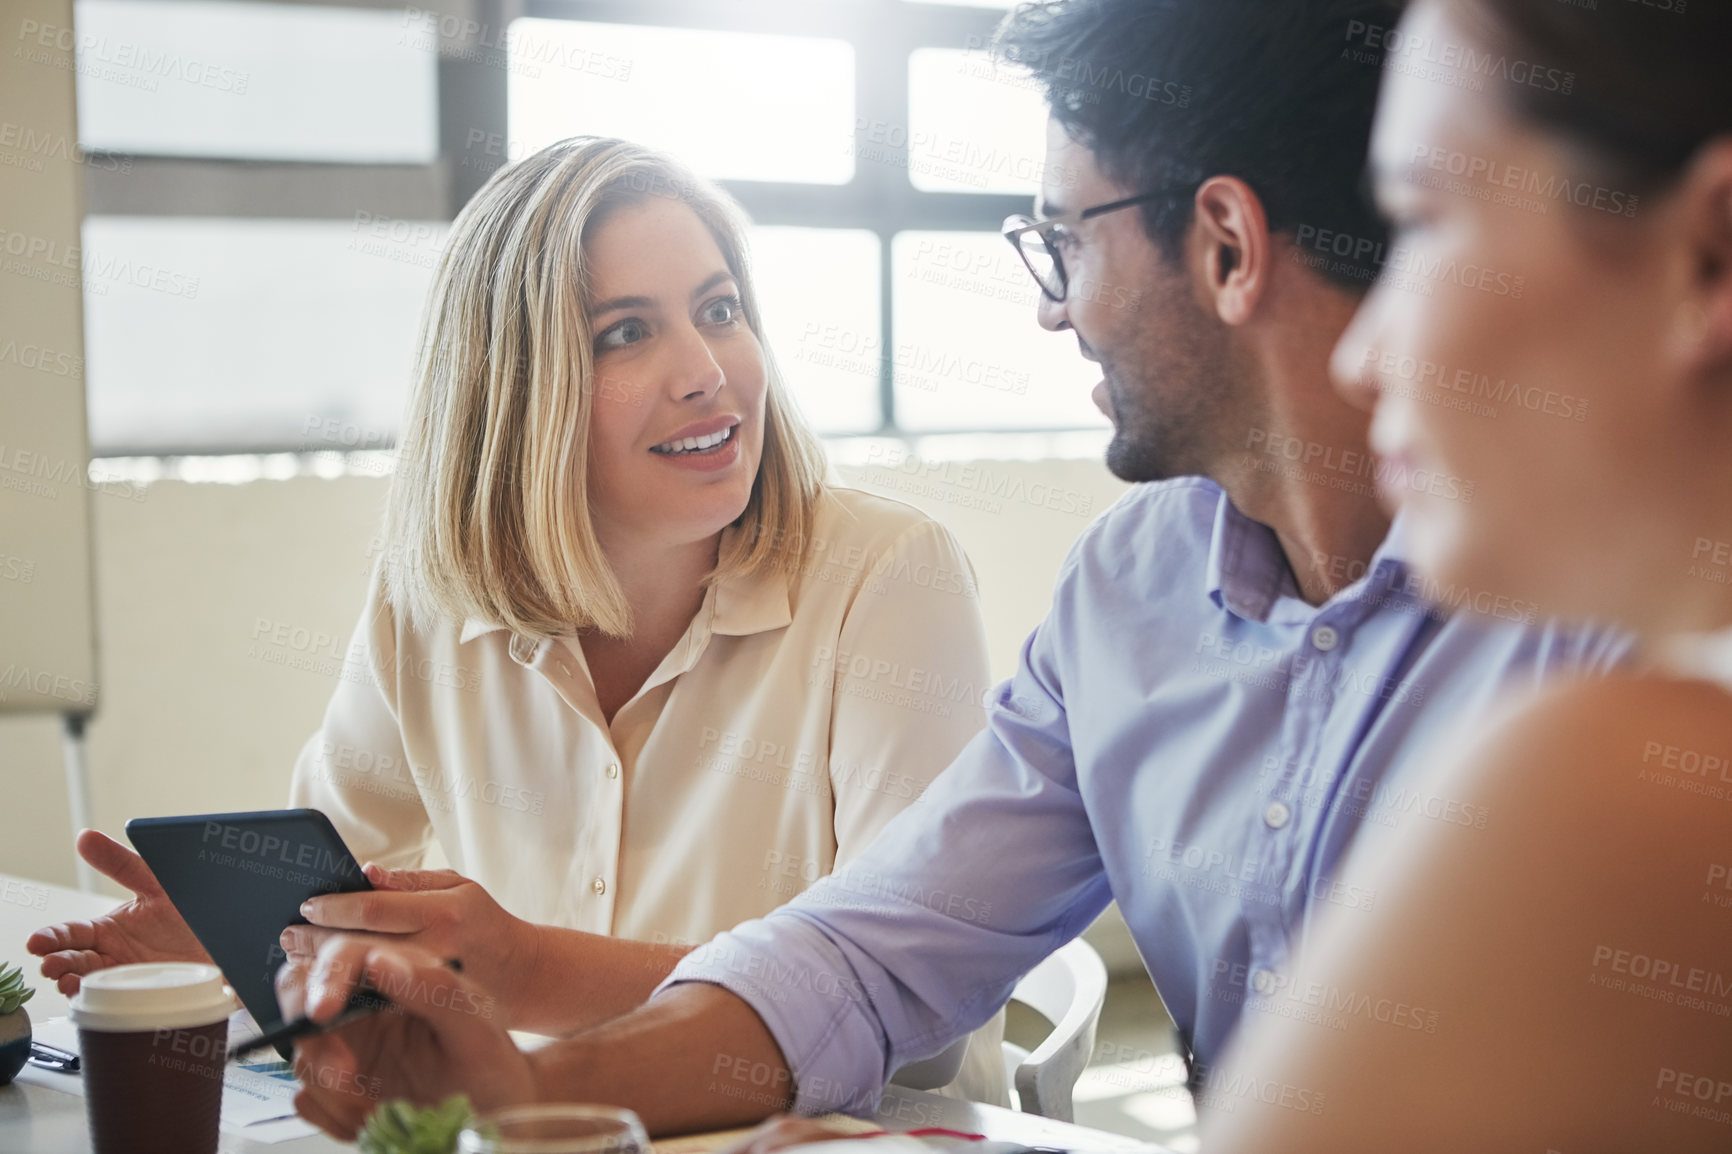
{"points": [[258, 1097], [718, 1139]]}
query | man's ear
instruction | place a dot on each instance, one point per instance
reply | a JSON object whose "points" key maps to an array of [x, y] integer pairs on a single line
{"points": [[1231, 234]]}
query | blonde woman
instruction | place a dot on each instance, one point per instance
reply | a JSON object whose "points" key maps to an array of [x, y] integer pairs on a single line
{"points": [[629, 660]]}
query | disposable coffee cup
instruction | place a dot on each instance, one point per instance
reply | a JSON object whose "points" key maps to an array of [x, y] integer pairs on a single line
{"points": [[153, 1039]]}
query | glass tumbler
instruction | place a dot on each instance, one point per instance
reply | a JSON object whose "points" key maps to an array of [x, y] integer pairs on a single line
{"points": [[556, 1128]]}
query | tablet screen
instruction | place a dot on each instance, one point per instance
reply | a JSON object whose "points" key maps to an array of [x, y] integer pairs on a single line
{"points": [[239, 879]]}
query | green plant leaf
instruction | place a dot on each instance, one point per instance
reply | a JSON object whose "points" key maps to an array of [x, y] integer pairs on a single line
{"points": [[14, 992], [399, 1127]]}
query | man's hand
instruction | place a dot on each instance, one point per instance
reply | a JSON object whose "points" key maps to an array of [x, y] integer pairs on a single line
{"points": [[439, 912], [146, 929], [441, 1036]]}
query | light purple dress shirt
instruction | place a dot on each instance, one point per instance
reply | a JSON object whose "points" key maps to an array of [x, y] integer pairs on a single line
{"points": [[1183, 734]]}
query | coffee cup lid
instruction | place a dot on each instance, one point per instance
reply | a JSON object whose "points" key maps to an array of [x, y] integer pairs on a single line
{"points": [[152, 996]]}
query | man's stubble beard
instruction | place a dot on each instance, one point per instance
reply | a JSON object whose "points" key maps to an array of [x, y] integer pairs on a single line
{"points": [[1175, 389], [1185, 426]]}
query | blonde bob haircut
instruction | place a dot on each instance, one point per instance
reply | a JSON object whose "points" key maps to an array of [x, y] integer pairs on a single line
{"points": [[488, 515]]}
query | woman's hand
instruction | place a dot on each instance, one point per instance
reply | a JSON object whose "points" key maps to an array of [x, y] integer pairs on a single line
{"points": [[439, 912], [146, 929], [440, 1036]]}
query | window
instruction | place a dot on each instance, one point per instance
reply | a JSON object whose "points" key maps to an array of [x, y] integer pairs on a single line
{"points": [[253, 82], [269, 186], [255, 334], [717, 100], [820, 294], [974, 126], [968, 354]]}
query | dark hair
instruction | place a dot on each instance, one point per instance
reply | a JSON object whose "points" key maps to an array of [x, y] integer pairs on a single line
{"points": [[1653, 82], [1273, 92]]}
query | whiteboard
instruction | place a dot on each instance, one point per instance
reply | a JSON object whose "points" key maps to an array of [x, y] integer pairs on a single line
{"points": [[47, 603]]}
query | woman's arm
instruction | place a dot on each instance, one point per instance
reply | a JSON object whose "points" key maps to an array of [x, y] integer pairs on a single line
{"points": [[145, 929], [1559, 979], [917, 609], [917, 612], [545, 979], [355, 769]]}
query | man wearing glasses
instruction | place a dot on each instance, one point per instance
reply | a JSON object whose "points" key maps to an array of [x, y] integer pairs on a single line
{"points": [[1236, 674]]}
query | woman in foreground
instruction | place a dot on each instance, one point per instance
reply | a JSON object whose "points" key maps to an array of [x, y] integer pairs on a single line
{"points": [[1561, 980], [629, 659]]}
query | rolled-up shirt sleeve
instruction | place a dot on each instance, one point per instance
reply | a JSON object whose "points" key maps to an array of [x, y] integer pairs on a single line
{"points": [[922, 937]]}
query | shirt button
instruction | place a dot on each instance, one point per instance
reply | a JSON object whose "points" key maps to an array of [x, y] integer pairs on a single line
{"points": [[1263, 981], [599, 885], [1277, 815], [1325, 638], [612, 769]]}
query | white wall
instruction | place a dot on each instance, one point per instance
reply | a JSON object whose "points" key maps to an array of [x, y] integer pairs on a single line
{"points": [[194, 716]]}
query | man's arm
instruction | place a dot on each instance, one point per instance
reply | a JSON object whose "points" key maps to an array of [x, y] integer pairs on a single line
{"points": [[696, 1058], [583, 979]]}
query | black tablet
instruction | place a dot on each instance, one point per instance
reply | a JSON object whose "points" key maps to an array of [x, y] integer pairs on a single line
{"points": [[239, 879]]}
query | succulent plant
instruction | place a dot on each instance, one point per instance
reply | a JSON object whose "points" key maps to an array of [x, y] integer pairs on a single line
{"points": [[402, 1128], [13, 990]]}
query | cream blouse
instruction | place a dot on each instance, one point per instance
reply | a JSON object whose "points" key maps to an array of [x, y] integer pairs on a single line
{"points": [[798, 714]]}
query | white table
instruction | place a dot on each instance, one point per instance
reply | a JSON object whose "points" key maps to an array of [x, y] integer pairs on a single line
{"points": [[45, 1121]]}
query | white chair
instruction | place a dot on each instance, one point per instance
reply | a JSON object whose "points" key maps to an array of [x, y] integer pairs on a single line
{"points": [[1067, 989]]}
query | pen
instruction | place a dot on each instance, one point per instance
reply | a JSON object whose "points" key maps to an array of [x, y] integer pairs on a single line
{"points": [[53, 1058], [365, 1000]]}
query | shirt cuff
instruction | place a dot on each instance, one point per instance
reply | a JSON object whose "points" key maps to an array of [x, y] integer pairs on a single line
{"points": [[812, 1002]]}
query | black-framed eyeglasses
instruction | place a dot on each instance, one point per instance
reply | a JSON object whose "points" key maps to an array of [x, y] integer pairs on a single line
{"points": [[1038, 241]]}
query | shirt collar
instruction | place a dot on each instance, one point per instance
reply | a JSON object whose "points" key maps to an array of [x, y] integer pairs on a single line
{"points": [[1248, 571], [740, 605], [751, 603], [1394, 550], [475, 627]]}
